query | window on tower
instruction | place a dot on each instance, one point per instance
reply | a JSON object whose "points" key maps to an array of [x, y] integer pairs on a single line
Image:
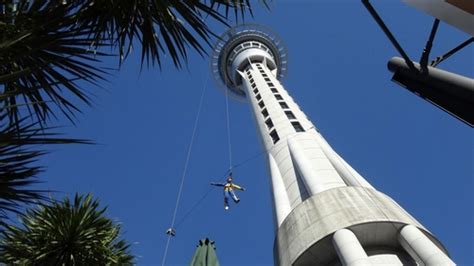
{"points": [[274, 136], [258, 97], [265, 113], [261, 104], [290, 115], [274, 90], [269, 123], [267, 79], [284, 105], [297, 126], [270, 84], [278, 97], [255, 91]]}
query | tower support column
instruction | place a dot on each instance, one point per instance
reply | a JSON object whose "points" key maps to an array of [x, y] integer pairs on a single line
{"points": [[280, 197], [315, 177], [349, 249], [350, 176], [421, 248]]}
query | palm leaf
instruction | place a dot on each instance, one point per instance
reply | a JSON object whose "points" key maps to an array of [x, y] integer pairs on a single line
{"points": [[47, 45], [18, 170], [43, 51], [65, 233], [161, 26]]}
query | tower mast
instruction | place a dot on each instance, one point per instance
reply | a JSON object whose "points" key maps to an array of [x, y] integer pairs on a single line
{"points": [[325, 213]]}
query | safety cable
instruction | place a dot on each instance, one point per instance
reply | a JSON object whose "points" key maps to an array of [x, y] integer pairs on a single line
{"points": [[182, 220], [229, 144], [243, 162], [200, 201], [188, 156]]}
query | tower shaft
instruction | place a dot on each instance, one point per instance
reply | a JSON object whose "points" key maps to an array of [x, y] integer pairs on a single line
{"points": [[325, 212]]}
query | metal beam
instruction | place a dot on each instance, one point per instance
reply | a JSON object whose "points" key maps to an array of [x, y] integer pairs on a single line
{"points": [[429, 44], [387, 32], [451, 92], [440, 59]]}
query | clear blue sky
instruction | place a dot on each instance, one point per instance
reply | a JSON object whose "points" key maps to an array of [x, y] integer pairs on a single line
{"points": [[404, 146]]}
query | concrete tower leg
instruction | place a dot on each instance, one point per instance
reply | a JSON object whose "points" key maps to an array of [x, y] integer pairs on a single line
{"points": [[348, 248], [313, 175], [280, 197], [421, 248], [351, 177], [310, 179]]}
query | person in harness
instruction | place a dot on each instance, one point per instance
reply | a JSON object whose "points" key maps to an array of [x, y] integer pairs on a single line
{"points": [[229, 190]]}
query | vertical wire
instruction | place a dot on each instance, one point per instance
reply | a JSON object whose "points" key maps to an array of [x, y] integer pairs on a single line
{"points": [[188, 156], [229, 144]]}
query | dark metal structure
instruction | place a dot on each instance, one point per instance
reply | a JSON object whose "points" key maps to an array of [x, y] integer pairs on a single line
{"points": [[449, 91]]}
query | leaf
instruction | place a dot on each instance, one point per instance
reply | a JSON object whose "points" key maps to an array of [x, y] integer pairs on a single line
{"points": [[65, 233], [18, 153]]}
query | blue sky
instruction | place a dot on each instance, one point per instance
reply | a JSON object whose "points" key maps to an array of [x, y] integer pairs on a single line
{"points": [[142, 120]]}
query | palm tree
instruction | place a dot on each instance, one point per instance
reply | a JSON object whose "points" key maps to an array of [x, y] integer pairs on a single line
{"points": [[49, 49], [47, 46], [19, 149], [65, 233]]}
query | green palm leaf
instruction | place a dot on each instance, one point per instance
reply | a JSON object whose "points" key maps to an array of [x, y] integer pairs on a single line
{"points": [[65, 233], [160, 26], [47, 46], [17, 163], [42, 51]]}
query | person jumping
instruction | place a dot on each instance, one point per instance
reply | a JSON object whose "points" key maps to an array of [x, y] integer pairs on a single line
{"points": [[229, 190]]}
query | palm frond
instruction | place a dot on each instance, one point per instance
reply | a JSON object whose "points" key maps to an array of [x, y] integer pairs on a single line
{"points": [[65, 233], [18, 156], [43, 52], [240, 7], [161, 26], [47, 45]]}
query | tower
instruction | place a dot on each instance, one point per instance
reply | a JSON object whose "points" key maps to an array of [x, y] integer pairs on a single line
{"points": [[325, 213]]}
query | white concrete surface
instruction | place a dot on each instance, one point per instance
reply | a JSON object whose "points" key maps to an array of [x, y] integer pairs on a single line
{"points": [[349, 250], [421, 248], [280, 198], [326, 213]]}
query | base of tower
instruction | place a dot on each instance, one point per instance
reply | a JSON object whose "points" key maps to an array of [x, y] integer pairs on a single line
{"points": [[305, 236]]}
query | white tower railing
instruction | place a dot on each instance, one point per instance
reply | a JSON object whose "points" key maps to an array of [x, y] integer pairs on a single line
{"points": [[325, 212]]}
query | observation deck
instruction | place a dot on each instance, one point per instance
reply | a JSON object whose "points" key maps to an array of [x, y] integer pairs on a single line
{"points": [[241, 45]]}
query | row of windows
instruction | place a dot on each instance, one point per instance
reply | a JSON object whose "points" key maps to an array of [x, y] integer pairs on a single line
{"points": [[296, 125], [261, 104], [268, 122]]}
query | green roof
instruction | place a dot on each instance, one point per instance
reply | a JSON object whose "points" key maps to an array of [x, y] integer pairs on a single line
{"points": [[205, 254]]}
